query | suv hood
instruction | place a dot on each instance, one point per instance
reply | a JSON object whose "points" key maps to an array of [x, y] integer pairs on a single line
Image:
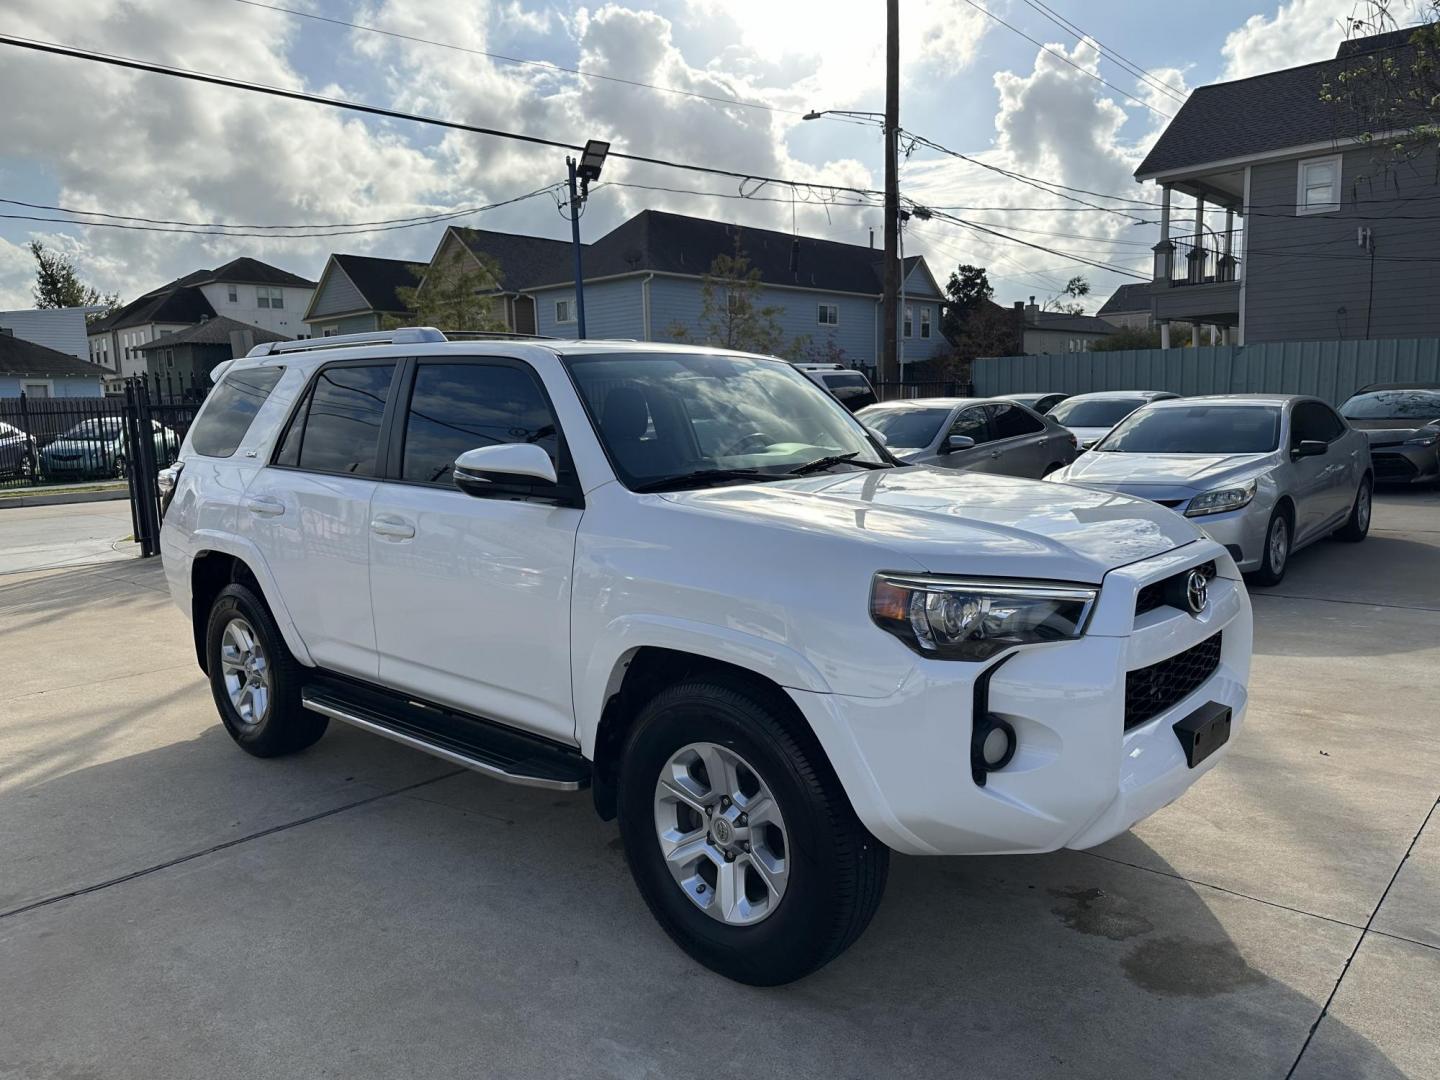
{"points": [[1197, 472], [952, 522]]}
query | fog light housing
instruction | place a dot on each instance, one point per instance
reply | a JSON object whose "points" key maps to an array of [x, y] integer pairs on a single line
{"points": [[992, 745]]}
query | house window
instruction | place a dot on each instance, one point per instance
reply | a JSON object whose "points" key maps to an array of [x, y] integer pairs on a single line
{"points": [[829, 315], [924, 322], [1317, 188], [232, 293], [564, 311], [329, 332], [169, 358], [267, 297], [909, 320]]}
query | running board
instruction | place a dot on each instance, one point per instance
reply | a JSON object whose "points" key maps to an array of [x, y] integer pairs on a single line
{"points": [[481, 745]]}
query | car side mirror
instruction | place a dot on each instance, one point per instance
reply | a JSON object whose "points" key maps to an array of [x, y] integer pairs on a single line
{"points": [[481, 471], [1309, 448], [957, 442]]}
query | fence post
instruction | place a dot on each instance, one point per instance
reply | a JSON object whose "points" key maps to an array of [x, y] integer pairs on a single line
{"points": [[31, 441]]}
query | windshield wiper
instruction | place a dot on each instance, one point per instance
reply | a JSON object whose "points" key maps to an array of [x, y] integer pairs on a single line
{"points": [[701, 478], [821, 464]]}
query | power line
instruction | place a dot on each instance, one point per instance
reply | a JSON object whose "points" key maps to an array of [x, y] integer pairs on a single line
{"points": [[395, 114], [1061, 56], [1133, 68], [1097, 264]]}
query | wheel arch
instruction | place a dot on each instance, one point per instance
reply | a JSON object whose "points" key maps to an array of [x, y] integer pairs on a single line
{"points": [[218, 564]]}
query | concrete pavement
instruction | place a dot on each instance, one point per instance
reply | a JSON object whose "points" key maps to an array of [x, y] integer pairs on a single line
{"points": [[46, 537], [170, 907]]}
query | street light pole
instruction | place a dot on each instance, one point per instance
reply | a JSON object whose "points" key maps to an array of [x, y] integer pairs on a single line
{"points": [[888, 355], [575, 242]]}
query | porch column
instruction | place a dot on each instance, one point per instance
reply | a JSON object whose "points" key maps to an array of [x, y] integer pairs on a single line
{"points": [[1226, 269], [1165, 334], [1164, 250], [1197, 248]]}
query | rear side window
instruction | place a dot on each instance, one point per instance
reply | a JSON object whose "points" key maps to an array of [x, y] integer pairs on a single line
{"points": [[1011, 421], [460, 407], [337, 427], [231, 409]]}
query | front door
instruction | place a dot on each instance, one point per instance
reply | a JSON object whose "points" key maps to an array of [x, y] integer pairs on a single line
{"points": [[309, 512], [1319, 481], [472, 595], [972, 423]]}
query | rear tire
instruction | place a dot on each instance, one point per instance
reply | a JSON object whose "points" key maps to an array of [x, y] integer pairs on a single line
{"points": [[1357, 525], [824, 874], [1279, 539], [255, 681]]}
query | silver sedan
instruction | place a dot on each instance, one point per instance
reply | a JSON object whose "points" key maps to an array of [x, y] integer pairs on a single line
{"points": [[1263, 474], [976, 434]]}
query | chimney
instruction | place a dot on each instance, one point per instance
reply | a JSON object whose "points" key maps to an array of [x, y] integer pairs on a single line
{"points": [[1032, 312], [872, 238]]}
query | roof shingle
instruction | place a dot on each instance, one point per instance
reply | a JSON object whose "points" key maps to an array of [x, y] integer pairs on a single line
{"points": [[214, 331], [21, 357]]}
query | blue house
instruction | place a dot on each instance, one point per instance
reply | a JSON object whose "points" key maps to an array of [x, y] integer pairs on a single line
{"points": [[643, 281]]}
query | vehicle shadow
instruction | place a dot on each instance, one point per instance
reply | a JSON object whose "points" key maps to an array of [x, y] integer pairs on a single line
{"points": [[465, 921]]}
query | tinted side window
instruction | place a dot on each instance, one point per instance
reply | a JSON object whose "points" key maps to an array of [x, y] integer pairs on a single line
{"points": [[337, 428], [230, 410], [971, 422], [459, 407], [1312, 420], [1011, 421]]}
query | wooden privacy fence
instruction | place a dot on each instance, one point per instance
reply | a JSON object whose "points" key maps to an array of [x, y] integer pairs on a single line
{"points": [[1332, 370]]}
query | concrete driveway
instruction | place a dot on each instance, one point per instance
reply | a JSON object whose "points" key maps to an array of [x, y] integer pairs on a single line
{"points": [[170, 907]]}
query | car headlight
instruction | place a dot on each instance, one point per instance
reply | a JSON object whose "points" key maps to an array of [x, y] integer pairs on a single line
{"points": [[961, 619], [1220, 500], [1423, 440]]}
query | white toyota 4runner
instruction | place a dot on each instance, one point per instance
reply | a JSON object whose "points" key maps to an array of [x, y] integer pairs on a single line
{"points": [[691, 581]]}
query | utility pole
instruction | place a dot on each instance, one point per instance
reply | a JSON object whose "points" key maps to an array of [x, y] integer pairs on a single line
{"points": [[889, 365], [575, 242]]}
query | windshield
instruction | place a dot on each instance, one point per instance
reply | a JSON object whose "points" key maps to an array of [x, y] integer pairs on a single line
{"points": [[106, 428], [1393, 404], [905, 427], [1196, 429], [670, 415], [1097, 412]]}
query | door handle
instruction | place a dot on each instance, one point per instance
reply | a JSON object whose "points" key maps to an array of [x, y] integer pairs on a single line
{"points": [[392, 527], [994, 453], [265, 505]]}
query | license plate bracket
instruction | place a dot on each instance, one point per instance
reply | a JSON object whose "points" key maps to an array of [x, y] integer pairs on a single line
{"points": [[1203, 732]]}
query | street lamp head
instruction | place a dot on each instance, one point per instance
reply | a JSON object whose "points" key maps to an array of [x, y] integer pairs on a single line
{"points": [[592, 159], [812, 115]]}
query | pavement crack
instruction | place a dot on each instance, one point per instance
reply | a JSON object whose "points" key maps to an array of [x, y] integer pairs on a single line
{"points": [[179, 860]]}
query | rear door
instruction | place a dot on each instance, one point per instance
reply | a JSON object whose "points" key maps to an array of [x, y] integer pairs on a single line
{"points": [[1021, 443], [472, 594], [309, 511]]}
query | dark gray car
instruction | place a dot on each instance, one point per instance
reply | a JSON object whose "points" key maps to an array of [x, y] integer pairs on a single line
{"points": [[17, 452], [1040, 403], [979, 434], [1402, 422]]}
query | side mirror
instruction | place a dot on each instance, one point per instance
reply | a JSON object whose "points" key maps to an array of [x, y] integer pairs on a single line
{"points": [[878, 437], [957, 442], [1309, 448], [482, 471]]}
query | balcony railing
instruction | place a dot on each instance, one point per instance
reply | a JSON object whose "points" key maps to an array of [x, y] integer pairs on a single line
{"points": [[1195, 261]]}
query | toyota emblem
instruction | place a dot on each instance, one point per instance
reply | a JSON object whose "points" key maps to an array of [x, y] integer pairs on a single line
{"points": [[1197, 592]]}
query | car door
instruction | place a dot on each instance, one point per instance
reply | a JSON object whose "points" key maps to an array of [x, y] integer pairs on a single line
{"points": [[973, 423], [1021, 441], [472, 594], [1317, 482], [308, 512]]}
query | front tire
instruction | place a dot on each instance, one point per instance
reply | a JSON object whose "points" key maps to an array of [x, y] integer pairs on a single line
{"points": [[1357, 525], [255, 681], [1278, 542], [740, 837]]}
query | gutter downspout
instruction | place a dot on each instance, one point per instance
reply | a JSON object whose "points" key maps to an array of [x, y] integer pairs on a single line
{"points": [[645, 304]]}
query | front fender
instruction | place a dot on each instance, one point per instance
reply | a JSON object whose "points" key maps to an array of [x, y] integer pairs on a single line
{"points": [[604, 670]]}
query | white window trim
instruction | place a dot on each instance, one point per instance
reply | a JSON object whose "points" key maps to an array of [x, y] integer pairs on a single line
{"points": [[925, 320], [1322, 208], [907, 321], [827, 310], [569, 312]]}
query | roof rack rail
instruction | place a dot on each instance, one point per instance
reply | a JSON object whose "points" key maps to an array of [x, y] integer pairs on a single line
{"points": [[408, 335], [494, 335]]}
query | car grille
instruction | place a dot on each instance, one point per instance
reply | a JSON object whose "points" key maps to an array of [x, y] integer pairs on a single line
{"points": [[1153, 595], [1393, 467], [1149, 691]]}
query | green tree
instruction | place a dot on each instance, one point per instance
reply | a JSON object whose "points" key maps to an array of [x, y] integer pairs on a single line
{"points": [[967, 290], [733, 314], [1074, 289], [1126, 337], [458, 291], [58, 284]]}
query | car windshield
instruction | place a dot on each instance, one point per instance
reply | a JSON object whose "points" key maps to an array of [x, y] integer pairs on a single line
{"points": [[905, 427], [681, 416], [1097, 412], [1393, 404], [1196, 429], [105, 428]]}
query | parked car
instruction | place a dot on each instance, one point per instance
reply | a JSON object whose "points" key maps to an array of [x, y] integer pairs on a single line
{"points": [[1263, 474], [1090, 416], [1402, 422], [17, 452], [100, 447], [976, 434], [850, 387], [1040, 403], [690, 580]]}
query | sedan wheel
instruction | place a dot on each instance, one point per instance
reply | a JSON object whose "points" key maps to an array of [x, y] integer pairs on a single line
{"points": [[1277, 551]]}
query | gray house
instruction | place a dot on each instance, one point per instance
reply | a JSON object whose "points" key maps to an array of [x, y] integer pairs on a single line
{"points": [[1297, 229], [188, 355], [1128, 307], [356, 293]]}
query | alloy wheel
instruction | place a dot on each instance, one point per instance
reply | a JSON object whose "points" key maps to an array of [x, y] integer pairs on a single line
{"points": [[1362, 507], [721, 834], [1279, 544], [246, 670]]}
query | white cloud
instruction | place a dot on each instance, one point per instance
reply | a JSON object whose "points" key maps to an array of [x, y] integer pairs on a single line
{"points": [[17, 275], [1300, 31]]}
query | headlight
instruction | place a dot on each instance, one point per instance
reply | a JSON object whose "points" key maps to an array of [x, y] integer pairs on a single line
{"points": [[1423, 440], [1221, 500], [959, 619]]}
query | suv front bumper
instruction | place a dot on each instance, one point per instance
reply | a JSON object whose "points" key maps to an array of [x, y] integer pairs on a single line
{"points": [[1078, 777]]}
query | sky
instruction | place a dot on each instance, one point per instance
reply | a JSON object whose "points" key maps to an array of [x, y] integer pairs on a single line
{"points": [[89, 137]]}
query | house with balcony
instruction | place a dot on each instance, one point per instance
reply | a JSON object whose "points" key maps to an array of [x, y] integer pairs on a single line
{"points": [[1282, 220]]}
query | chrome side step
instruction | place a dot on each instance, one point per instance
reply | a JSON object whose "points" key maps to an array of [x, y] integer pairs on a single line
{"points": [[498, 752]]}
